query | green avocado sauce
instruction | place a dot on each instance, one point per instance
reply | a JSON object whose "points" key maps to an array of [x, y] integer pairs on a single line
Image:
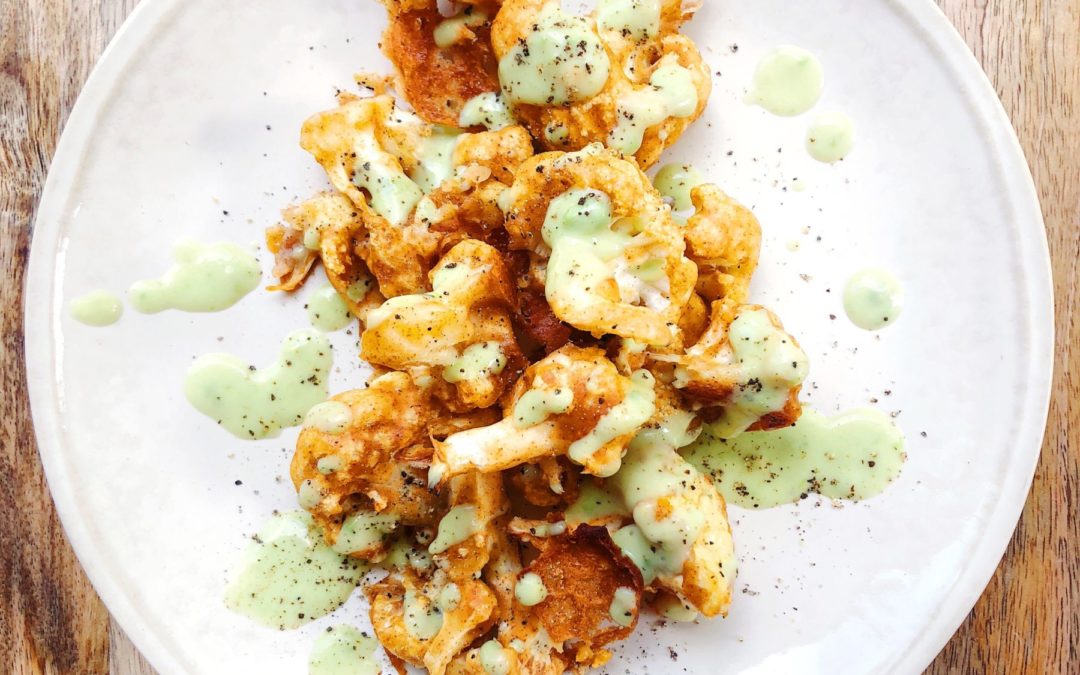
{"points": [[788, 81], [343, 650], [204, 278], [96, 308], [852, 456], [561, 60], [288, 576], [254, 403]]}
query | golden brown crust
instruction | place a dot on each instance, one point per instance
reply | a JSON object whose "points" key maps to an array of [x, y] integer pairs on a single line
{"points": [[380, 460], [581, 571], [723, 238], [426, 333], [438, 81]]}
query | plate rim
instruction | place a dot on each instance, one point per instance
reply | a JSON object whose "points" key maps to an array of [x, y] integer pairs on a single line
{"points": [[42, 306]]}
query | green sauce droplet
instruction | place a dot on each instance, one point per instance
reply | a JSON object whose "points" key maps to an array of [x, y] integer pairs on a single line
{"points": [[449, 597], [676, 181], [535, 405], [343, 650], [670, 93], [488, 109], [530, 589], [393, 194], [852, 456], [872, 299], [453, 30], [831, 137], [435, 159], [363, 531], [493, 659], [625, 417], [423, 618], [456, 526], [593, 503], [622, 606], [288, 576], [329, 417], [674, 609], [560, 60], [256, 403], [477, 361], [636, 20], [788, 81], [205, 278], [327, 310], [96, 308]]}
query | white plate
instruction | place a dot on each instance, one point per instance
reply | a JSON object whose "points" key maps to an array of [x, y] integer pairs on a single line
{"points": [[195, 111]]}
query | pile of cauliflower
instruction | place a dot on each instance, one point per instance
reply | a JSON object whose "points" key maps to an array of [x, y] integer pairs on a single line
{"points": [[545, 334]]}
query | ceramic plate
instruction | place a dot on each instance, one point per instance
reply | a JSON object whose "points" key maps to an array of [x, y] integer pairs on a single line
{"points": [[189, 127]]}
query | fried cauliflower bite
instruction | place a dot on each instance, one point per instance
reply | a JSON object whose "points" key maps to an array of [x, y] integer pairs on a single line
{"points": [[440, 63], [613, 256], [293, 258], [467, 532], [459, 334], [366, 147], [574, 403], [407, 180], [723, 238], [324, 227], [745, 372], [360, 463], [592, 595], [680, 538], [622, 76], [500, 151], [427, 622]]}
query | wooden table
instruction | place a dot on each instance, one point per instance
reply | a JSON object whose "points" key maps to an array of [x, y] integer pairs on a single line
{"points": [[1028, 620]]}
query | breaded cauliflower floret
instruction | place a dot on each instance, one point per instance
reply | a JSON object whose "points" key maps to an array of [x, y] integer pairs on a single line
{"points": [[574, 402], [363, 454], [622, 76], [614, 257], [723, 238], [440, 62], [680, 538], [745, 372], [366, 147], [592, 595], [327, 227], [458, 335], [404, 177], [468, 531], [428, 622]]}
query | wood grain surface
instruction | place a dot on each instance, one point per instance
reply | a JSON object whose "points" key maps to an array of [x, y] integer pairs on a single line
{"points": [[1027, 621]]}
